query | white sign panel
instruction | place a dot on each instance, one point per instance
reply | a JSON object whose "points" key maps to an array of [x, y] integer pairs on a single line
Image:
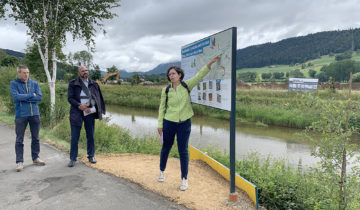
{"points": [[215, 88], [302, 84]]}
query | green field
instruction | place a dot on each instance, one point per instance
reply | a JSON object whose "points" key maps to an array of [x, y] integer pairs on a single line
{"points": [[317, 65]]}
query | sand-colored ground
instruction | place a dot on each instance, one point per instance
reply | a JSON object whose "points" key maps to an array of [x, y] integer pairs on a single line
{"points": [[207, 189]]}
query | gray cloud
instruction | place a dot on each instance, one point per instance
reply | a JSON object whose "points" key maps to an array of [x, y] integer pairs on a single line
{"points": [[151, 32]]}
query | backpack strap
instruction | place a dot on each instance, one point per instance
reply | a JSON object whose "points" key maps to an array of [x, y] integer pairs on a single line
{"points": [[167, 92], [185, 86]]}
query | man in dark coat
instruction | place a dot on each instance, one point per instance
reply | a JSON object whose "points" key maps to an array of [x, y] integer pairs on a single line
{"points": [[87, 104]]}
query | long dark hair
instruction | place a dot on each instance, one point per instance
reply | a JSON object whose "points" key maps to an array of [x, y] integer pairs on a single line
{"points": [[177, 69]]}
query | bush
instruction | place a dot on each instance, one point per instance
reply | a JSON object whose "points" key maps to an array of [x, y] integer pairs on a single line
{"points": [[322, 76], [283, 187], [7, 74], [278, 75], [266, 75], [312, 73], [248, 76], [296, 74], [62, 106], [356, 77]]}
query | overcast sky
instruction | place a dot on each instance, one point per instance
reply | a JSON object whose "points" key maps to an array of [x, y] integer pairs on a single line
{"points": [[150, 32]]}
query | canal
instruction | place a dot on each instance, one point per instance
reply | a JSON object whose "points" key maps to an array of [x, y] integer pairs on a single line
{"points": [[274, 141]]}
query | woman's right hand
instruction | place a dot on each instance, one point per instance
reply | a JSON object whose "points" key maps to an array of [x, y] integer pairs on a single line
{"points": [[160, 130], [213, 60]]}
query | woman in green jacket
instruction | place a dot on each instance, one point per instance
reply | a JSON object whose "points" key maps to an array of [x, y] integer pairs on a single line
{"points": [[175, 112]]}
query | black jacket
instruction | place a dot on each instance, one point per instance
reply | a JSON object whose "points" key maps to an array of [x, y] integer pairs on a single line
{"points": [[74, 91]]}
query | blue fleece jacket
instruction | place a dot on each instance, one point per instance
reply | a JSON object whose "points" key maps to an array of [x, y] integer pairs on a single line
{"points": [[24, 98]]}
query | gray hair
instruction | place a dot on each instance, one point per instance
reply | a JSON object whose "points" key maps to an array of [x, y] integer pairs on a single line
{"points": [[21, 67]]}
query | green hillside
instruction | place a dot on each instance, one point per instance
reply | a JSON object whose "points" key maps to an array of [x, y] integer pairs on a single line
{"points": [[316, 64]]}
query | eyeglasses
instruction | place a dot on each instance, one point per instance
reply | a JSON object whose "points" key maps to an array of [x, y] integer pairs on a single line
{"points": [[172, 74]]}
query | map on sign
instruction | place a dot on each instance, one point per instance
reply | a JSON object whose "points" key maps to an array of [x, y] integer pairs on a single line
{"points": [[215, 88]]}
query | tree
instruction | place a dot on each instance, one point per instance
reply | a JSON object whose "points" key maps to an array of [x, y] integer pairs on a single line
{"points": [[49, 21], [83, 58], [356, 77], [312, 73], [303, 66], [333, 145], [322, 76], [343, 56], [296, 74], [248, 76], [2, 54], [135, 78], [33, 61], [266, 75], [278, 75], [9, 61], [340, 70], [112, 70], [96, 73]]}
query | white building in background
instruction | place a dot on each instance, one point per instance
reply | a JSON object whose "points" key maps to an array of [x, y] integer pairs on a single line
{"points": [[303, 84]]}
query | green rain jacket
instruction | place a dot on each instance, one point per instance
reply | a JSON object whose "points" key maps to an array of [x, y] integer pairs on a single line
{"points": [[179, 105]]}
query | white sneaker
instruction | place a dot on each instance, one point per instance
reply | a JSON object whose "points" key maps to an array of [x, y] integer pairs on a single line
{"points": [[19, 166], [184, 184], [38, 162], [161, 177]]}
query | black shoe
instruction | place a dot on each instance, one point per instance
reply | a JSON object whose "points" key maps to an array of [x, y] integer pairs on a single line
{"points": [[92, 160], [71, 163]]}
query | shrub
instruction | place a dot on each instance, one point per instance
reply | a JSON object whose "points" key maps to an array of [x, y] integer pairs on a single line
{"points": [[266, 75], [7, 74], [356, 77], [62, 106]]}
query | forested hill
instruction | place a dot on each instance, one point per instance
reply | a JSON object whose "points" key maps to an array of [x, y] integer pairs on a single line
{"points": [[161, 68], [14, 53], [298, 49]]}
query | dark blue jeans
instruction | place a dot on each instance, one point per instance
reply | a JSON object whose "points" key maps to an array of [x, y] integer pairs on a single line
{"points": [[182, 131], [20, 127], [89, 123]]}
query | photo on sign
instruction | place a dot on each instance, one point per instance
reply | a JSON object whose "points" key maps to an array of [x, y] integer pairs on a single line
{"points": [[210, 96], [218, 99], [218, 86]]}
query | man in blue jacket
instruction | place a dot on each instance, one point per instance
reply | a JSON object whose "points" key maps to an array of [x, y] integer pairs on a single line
{"points": [[87, 104], [26, 94]]}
